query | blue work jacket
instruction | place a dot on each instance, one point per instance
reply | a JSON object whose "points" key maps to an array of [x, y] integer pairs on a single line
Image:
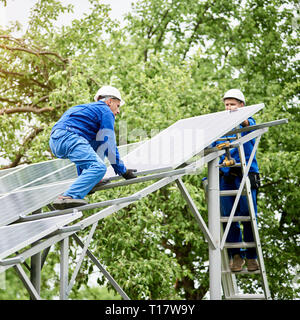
{"points": [[95, 122], [248, 147]]}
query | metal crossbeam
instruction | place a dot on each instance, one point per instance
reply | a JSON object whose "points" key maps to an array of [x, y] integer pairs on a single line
{"points": [[102, 269], [258, 126], [78, 265], [27, 283], [196, 213]]}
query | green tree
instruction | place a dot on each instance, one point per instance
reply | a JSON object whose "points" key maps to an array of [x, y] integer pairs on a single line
{"points": [[174, 59]]}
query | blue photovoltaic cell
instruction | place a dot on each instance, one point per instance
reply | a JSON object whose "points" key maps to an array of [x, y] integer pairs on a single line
{"points": [[20, 235], [5, 172], [23, 175]]}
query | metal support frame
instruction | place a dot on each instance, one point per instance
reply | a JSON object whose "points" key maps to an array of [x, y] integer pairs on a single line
{"points": [[78, 265], [102, 269], [213, 217], [36, 266], [27, 283], [35, 271], [63, 234], [212, 233], [64, 268], [197, 215]]}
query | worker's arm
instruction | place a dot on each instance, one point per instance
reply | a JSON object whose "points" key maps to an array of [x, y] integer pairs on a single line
{"points": [[107, 143]]}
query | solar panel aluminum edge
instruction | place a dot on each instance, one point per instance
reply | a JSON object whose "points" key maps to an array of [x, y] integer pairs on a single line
{"points": [[18, 236], [27, 174], [4, 172], [23, 202], [184, 139]]}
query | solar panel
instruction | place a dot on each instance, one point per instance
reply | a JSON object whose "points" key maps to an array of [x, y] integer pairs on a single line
{"points": [[18, 236], [4, 172], [45, 172], [22, 202], [26, 174], [39, 192], [184, 139], [168, 149]]}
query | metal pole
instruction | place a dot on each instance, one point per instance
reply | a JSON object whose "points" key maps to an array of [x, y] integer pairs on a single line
{"points": [[78, 265], [64, 267], [36, 266], [214, 228], [35, 271], [257, 126]]}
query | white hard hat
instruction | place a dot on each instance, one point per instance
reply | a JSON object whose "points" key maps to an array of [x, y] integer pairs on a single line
{"points": [[109, 91], [236, 94]]}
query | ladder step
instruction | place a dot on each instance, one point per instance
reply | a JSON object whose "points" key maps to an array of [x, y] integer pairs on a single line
{"points": [[244, 271], [239, 245], [236, 219], [234, 165], [226, 193], [246, 297]]}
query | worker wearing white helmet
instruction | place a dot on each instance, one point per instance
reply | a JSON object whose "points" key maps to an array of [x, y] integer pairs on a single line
{"points": [[235, 94], [109, 91], [230, 179], [234, 99], [85, 135]]}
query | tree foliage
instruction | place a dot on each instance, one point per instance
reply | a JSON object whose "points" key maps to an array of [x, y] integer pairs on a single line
{"points": [[172, 60]]}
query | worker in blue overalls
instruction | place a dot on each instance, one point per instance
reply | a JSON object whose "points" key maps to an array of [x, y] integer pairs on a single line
{"points": [[85, 135], [230, 179]]}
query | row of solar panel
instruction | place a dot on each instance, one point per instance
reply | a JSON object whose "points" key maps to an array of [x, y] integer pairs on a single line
{"points": [[28, 188]]}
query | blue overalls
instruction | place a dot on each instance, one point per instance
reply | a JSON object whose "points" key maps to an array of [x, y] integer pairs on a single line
{"points": [[231, 181], [85, 135]]}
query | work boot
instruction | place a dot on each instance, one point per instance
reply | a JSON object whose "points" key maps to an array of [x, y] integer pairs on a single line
{"points": [[237, 264], [252, 265], [66, 202], [99, 184], [230, 263]]}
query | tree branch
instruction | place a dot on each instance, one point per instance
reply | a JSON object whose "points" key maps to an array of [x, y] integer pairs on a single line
{"points": [[23, 149], [18, 74], [196, 27], [25, 109], [24, 49]]}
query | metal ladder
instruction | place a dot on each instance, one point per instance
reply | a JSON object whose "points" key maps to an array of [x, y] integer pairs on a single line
{"points": [[229, 283]]}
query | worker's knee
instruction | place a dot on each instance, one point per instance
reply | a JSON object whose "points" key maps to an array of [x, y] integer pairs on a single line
{"points": [[99, 169]]}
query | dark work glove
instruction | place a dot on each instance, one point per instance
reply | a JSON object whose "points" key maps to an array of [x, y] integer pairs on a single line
{"points": [[129, 174]]}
